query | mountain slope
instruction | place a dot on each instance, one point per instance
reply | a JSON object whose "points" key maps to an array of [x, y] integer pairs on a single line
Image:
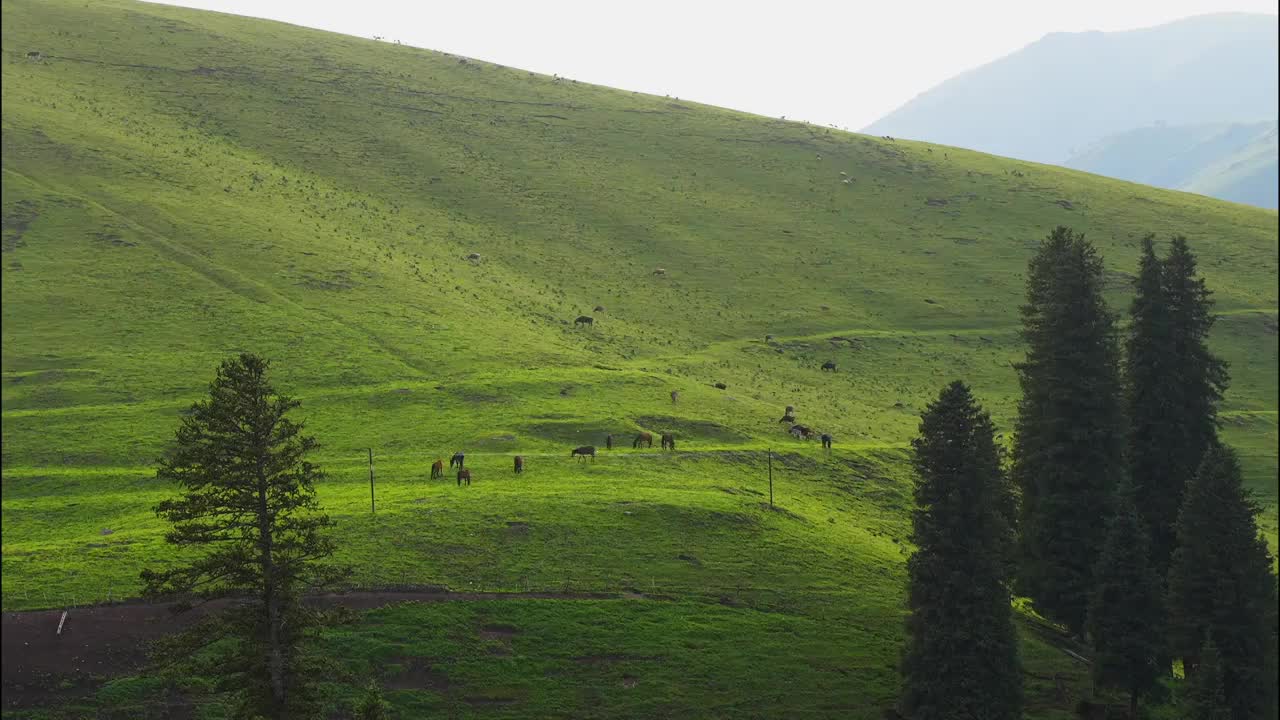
{"points": [[1068, 90], [1234, 162], [178, 186]]}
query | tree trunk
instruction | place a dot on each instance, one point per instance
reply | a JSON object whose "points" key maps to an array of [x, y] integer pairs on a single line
{"points": [[271, 598]]}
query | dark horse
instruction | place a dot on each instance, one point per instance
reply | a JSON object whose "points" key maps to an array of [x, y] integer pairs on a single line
{"points": [[437, 469], [583, 452], [826, 441], [464, 475], [583, 320], [645, 438], [457, 459], [519, 464], [668, 441], [788, 418], [828, 365], [608, 443]]}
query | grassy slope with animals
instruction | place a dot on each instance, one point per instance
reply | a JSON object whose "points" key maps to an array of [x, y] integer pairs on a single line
{"points": [[179, 186]]}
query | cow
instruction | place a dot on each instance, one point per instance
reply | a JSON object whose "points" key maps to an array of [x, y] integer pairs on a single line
{"points": [[584, 320], [800, 431], [829, 365], [668, 441], [644, 438], [437, 469], [457, 459], [584, 452], [519, 464], [464, 476]]}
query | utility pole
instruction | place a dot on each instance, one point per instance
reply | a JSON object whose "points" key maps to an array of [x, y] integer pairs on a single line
{"points": [[770, 451], [373, 505]]}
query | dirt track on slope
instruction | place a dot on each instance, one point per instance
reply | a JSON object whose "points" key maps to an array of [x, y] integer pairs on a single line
{"points": [[41, 668]]}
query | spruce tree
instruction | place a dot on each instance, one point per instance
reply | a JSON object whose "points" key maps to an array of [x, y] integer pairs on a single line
{"points": [[1197, 379], [1125, 612], [1068, 443], [1204, 698], [1150, 400], [1174, 386], [248, 516], [1221, 586], [961, 656]]}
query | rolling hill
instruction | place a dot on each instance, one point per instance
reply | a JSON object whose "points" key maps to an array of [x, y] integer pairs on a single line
{"points": [[180, 185], [1067, 91], [1231, 161]]}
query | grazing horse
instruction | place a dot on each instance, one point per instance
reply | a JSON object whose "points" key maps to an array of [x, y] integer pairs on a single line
{"points": [[721, 386], [608, 443], [583, 452], [790, 409], [583, 320], [645, 438], [519, 464], [675, 397], [828, 365], [668, 441], [788, 418], [457, 459], [464, 475], [437, 469], [800, 431], [826, 441]]}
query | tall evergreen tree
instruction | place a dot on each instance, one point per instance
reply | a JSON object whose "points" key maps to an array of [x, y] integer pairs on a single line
{"points": [[1221, 586], [248, 509], [961, 657], [1205, 699], [1125, 613], [1068, 444], [1198, 378], [1150, 400], [1174, 386]]}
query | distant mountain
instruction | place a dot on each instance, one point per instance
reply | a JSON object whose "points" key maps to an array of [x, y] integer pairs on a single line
{"points": [[1070, 90], [1232, 161]]}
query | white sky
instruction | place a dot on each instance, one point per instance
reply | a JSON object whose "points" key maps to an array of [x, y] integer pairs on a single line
{"points": [[833, 62]]}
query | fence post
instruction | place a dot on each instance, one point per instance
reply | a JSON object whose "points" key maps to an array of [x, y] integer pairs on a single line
{"points": [[373, 504], [770, 452]]}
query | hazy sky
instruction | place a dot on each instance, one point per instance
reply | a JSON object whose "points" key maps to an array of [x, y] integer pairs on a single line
{"points": [[843, 63]]}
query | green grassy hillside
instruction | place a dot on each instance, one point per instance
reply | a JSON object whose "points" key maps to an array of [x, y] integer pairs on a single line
{"points": [[179, 186]]}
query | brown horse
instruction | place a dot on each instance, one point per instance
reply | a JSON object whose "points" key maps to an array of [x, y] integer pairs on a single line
{"points": [[464, 475], [608, 443], [437, 469], [645, 438], [668, 441], [519, 464], [583, 452], [800, 431]]}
